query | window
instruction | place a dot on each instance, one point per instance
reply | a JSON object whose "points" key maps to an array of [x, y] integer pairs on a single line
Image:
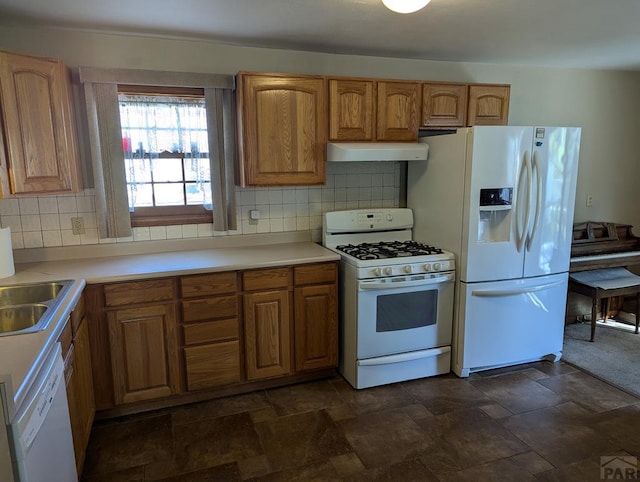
{"points": [[165, 144], [161, 183]]}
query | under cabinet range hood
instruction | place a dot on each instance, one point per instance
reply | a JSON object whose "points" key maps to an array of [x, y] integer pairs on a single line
{"points": [[377, 151]]}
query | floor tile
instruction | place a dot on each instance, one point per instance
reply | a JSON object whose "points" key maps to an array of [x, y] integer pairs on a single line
{"points": [[588, 391], [517, 392], [445, 394], [471, 437], [301, 439], [208, 443], [499, 470], [220, 407], [409, 470], [385, 437], [304, 397], [558, 436], [126, 444]]}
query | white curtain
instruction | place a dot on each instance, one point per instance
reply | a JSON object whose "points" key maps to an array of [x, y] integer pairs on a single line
{"points": [[154, 125], [106, 141]]}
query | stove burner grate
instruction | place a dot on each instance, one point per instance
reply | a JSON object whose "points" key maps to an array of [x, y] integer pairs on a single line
{"points": [[388, 249]]}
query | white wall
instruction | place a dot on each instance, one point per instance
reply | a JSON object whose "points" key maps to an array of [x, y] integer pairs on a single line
{"points": [[606, 104]]}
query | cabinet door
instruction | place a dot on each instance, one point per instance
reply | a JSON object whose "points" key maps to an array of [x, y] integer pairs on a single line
{"points": [[351, 110], [444, 105], [39, 129], [144, 352], [82, 409], [316, 327], [267, 334], [397, 111], [283, 129], [488, 105]]}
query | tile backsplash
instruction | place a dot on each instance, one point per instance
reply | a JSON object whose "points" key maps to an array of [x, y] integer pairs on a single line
{"points": [[45, 221]]}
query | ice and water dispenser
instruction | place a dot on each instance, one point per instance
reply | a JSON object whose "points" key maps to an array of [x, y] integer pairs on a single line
{"points": [[495, 215]]}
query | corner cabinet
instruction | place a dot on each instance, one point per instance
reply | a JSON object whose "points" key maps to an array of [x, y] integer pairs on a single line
{"points": [[488, 104], [39, 152], [373, 110], [282, 129]]}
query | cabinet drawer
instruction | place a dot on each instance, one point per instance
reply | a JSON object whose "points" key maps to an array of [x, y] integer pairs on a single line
{"points": [[210, 331], [121, 294], [210, 308], [212, 365], [264, 279], [315, 273], [208, 284]]}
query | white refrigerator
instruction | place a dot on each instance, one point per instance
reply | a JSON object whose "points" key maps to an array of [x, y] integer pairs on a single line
{"points": [[501, 198]]}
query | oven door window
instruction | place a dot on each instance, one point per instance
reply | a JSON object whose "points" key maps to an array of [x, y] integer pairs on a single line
{"points": [[403, 311]]}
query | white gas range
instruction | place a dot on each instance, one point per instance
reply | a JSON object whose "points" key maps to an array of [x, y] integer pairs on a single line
{"points": [[396, 297]]}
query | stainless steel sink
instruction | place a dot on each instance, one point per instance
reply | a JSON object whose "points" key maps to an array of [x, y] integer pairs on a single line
{"points": [[21, 317], [30, 307], [30, 293]]}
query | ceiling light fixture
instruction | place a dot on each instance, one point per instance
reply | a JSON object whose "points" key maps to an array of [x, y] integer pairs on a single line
{"points": [[405, 6]]}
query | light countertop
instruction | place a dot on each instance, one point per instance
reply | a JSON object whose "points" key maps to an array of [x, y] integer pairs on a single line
{"points": [[20, 355]]}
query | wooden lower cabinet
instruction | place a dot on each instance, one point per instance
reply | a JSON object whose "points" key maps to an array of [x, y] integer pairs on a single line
{"points": [[144, 352], [76, 352], [316, 327], [82, 406], [267, 329], [162, 342]]}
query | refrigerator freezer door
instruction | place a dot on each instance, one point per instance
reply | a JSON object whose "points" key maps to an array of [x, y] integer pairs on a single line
{"points": [[509, 322], [555, 167], [498, 160]]}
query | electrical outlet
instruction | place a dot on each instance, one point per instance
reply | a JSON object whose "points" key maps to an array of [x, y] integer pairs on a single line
{"points": [[77, 225], [254, 216], [589, 200]]}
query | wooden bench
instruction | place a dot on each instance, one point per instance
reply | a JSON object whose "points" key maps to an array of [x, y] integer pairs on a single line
{"points": [[599, 284]]}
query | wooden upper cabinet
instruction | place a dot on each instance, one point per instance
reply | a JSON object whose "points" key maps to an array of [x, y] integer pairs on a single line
{"points": [[351, 110], [488, 104], [282, 129], [444, 105], [373, 110], [397, 110], [38, 127]]}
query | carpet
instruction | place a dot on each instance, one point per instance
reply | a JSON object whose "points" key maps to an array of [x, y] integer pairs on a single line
{"points": [[614, 356]]}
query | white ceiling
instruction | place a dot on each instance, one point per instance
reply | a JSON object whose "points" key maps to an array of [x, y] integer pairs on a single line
{"points": [[566, 33]]}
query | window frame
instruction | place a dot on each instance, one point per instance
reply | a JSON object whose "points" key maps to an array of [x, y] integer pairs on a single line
{"points": [[166, 215]]}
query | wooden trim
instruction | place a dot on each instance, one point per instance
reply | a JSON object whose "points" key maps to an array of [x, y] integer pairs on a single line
{"points": [[158, 78], [170, 215], [160, 91]]}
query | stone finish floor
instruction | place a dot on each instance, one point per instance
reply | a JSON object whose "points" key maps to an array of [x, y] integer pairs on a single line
{"points": [[540, 421]]}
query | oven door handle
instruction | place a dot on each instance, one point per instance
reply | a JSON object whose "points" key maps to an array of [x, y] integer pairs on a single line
{"points": [[404, 357], [373, 285]]}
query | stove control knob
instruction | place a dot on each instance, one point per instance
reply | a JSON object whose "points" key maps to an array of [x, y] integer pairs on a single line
{"points": [[437, 266], [377, 272], [427, 267], [407, 269], [389, 217], [387, 271]]}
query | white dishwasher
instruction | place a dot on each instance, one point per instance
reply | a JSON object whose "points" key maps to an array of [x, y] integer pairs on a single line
{"points": [[42, 444]]}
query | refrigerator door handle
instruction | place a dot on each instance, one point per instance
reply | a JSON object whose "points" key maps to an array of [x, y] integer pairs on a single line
{"points": [[521, 232], [535, 167], [514, 292]]}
